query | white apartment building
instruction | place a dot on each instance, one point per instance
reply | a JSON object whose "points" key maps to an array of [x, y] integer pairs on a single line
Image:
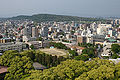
{"points": [[102, 28]]}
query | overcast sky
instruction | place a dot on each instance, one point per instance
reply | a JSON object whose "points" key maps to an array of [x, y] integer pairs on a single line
{"points": [[10, 8]]}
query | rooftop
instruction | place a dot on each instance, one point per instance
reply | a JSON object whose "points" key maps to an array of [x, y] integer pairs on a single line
{"points": [[38, 66], [3, 69]]}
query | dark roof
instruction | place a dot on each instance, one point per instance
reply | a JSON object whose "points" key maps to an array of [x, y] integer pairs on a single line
{"points": [[3, 69], [38, 66]]}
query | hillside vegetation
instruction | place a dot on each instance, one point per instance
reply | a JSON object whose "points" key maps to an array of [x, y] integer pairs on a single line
{"points": [[52, 17]]}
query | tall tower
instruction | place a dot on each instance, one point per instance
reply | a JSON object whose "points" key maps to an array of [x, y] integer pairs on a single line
{"points": [[34, 32]]}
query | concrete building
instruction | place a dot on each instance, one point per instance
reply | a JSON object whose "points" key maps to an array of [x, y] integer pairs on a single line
{"points": [[90, 40], [34, 32], [115, 22], [27, 31], [12, 46], [36, 44], [27, 39], [5, 40], [102, 28], [110, 32], [44, 31], [98, 38]]}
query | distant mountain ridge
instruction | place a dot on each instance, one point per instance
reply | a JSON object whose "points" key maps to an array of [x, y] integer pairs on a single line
{"points": [[52, 17]]}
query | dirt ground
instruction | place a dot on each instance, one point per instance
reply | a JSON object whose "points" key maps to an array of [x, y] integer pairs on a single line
{"points": [[54, 51]]}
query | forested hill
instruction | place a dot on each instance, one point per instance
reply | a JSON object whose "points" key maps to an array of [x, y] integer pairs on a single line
{"points": [[52, 17]]}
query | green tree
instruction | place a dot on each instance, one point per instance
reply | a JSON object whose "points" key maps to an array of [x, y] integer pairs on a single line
{"points": [[29, 53], [83, 57], [32, 47], [96, 69], [90, 52], [58, 45], [73, 53], [101, 73], [6, 58], [20, 66], [115, 56], [115, 48]]}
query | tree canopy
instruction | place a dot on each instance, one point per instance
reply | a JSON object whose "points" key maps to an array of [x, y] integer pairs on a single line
{"points": [[58, 45], [115, 48], [18, 65], [97, 69]]}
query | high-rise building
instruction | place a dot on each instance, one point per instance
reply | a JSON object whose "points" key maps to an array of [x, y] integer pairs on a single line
{"points": [[115, 22], [27, 31], [44, 31], [102, 28], [110, 32], [34, 32]]}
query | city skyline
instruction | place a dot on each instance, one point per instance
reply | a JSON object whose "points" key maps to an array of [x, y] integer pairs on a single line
{"points": [[84, 8]]}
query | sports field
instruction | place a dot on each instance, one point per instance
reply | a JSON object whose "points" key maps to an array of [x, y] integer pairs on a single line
{"points": [[54, 51]]}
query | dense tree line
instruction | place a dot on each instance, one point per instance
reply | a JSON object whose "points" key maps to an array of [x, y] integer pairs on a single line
{"points": [[58, 45], [48, 60], [21, 63], [83, 57], [96, 69], [44, 59], [17, 64], [115, 48]]}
